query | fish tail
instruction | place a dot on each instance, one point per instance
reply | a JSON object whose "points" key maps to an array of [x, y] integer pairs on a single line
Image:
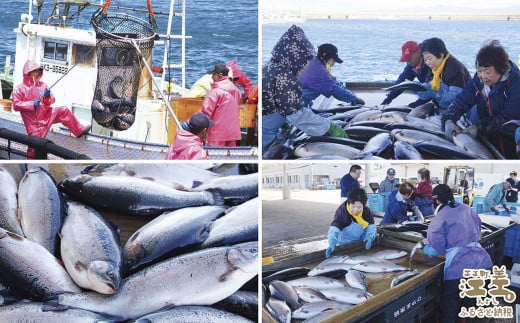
{"points": [[217, 196]]}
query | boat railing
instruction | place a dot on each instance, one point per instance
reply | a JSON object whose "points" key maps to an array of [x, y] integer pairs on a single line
{"points": [[13, 143]]}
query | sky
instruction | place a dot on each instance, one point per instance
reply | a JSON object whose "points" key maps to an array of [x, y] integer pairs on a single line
{"points": [[391, 6]]}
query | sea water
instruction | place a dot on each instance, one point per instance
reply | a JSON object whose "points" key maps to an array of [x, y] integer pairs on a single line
{"points": [[220, 32], [371, 49]]}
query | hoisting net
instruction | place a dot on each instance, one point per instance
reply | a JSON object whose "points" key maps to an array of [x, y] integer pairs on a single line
{"points": [[119, 39]]}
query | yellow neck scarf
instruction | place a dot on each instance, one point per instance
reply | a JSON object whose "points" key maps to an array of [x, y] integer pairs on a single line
{"points": [[328, 67], [436, 81], [357, 217]]}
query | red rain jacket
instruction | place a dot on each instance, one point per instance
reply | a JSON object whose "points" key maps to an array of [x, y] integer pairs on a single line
{"points": [[186, 146]]}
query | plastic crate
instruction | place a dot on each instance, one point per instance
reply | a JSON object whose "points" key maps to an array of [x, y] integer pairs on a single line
{"points": [[495, 247], [376, 202], [476, 200], [512, 243], [419, 305]]}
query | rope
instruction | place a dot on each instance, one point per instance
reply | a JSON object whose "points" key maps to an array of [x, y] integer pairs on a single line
{"points": [[151, 15]]}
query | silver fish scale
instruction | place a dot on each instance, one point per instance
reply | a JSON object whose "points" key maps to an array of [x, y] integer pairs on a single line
{"points": [[32, 312], [193, 314], [239, 225], [87, 238], [43, 223], [203, 278], [134, 195], [9, 203], [21, 260]]}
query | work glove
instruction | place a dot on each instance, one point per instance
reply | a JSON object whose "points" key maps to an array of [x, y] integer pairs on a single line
{"points": [[358, 101], [332, 237], [430, 251], [36, 103], [387, 101], [450, 128], [428, 94], [370, 235], [47, 93], [336, 131], [418, 214], [495, 211]]}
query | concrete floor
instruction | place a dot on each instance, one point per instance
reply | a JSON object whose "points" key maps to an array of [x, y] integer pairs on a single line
{"points": [[304, 219]]}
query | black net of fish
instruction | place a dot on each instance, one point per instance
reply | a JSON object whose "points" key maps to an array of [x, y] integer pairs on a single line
{"points": [[119, 38]]}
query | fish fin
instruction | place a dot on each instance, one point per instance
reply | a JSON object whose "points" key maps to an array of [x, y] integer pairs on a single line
{"points": [[142, 321], [224, 276], [79, 266], [19, 215], [196, 184], [130, 173], [14, 235], [230, 209], [203, 232], [54, 306], [151, 179], [179, 186], [217, 195]]}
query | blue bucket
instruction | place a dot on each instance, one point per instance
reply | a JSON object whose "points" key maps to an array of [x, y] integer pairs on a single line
{"points": [[480, 208]]}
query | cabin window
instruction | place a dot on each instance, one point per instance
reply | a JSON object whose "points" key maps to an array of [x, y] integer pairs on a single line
{"points": [[55, 50], [84, 55]]}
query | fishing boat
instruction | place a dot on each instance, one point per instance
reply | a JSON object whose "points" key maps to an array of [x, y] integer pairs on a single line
{"points": [[66, 44]]}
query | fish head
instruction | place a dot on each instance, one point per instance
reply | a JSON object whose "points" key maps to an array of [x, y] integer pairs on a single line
{"points": [[105, 276], [244, 257]]}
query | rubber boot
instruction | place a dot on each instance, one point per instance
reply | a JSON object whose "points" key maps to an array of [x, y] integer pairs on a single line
{"points": [[65, 117]]}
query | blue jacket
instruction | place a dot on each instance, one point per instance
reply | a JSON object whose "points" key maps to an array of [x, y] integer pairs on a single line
{"points": [[495, 196], [453, 79], [397, 210], [348, 183], [409, 73], [504, 103], [388, 185], [315, 79]]}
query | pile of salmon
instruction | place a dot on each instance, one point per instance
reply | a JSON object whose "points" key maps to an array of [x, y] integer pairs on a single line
{"points": [[334, 285], [61, 260], [389, 132]]}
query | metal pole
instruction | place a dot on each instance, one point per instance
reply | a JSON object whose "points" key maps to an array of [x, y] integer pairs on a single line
{"points": [[170, 110], [286, 194]]}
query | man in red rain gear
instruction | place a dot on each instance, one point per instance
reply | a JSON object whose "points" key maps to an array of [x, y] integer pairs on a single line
{"points": [[188, 141], [33, 99]]}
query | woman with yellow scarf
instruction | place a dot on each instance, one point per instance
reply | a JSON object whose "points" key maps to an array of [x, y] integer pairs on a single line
{"points": [[352, 222], [448, 76]]}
